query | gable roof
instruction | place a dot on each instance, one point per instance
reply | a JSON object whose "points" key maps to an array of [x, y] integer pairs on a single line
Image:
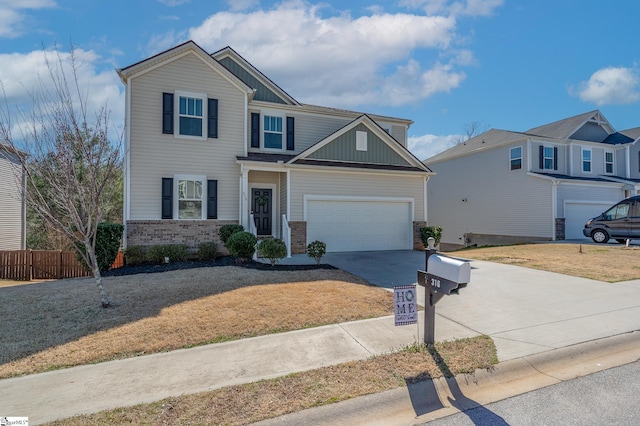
{"points": [[251, 76], [568, 128], [186, 48], [305, 157], [632, 133], [490, 139]]}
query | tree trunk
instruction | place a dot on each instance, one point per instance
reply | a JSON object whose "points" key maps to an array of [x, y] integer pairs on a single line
{"points": [[97, 275]]}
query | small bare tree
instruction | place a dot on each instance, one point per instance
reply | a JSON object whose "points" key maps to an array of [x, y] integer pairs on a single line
{"points": [[472, 129], [70, 163]]}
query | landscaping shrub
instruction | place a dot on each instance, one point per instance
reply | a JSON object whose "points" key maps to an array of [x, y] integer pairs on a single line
{"points": [[242, 245], [430, 231], [226, 231], [273, 249], [135, 255], [175, 253], [207, 251], [108, 240], [316, 249]]}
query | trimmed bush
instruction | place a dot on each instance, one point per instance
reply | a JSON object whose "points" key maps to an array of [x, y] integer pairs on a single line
{"points": [[207, 251], [135, 255], [316, 249], [108, 240], [273, 249], [430, 231], [242, 245], [175, 253], [226, 231]]}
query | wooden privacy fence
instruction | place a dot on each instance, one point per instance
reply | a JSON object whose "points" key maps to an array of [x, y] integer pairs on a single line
{"points": [[26, 265]]}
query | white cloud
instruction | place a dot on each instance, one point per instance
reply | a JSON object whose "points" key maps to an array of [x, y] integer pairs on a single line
{"points": [[611, 86], [339, 60], [427, 146], [13, 16], [456, 8], [25, 75]]}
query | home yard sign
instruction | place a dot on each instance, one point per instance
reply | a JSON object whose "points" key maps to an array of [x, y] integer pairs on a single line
{"points": [[404, 301]]}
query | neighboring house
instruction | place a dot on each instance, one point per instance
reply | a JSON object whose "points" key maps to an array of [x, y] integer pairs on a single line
{"points": [[542, 184], [12, 202], [210, 140]]}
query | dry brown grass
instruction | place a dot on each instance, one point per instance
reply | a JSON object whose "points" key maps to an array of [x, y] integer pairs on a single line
{"points": [[607, 263], [244, 404], [60, 323]]}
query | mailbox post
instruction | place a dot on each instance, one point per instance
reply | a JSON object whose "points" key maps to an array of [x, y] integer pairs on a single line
{"points": [[443, 276]]}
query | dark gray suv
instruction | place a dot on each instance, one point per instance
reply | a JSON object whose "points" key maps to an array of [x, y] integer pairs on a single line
{"points": [[621, 222]]}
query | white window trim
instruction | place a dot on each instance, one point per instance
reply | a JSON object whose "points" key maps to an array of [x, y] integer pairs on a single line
{"points": [[282, 116], [613, 162], [582, 160], [512, 158], [176, 197], [361, 141], [176, 115]]}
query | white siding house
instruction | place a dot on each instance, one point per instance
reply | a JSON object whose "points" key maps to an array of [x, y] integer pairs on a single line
{"points": [[542, 184], [12, 202]]}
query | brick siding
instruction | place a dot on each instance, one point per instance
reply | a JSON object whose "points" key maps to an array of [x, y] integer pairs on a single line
{"points": [[298, 237]]}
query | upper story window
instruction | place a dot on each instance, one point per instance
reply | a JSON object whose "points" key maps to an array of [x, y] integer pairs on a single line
{"points": [[608, 162], [548, 157], [272, 126], [190, 116], [515, 158], [586, 160]]}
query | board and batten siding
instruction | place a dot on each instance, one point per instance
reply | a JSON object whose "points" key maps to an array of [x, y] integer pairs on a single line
{"points": [[480, 194], [154, 155], [11, 205], [357, 185]]}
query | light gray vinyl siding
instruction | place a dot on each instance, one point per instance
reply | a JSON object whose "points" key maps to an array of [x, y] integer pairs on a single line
{"points": [[399, 133], [154, 155], [343, 148], [282, 189], [587, 193], [11, 204], [336, 183], [563, 160], [262, 92], [591, 132], [634, 160], [480, 194], [621, 162]]}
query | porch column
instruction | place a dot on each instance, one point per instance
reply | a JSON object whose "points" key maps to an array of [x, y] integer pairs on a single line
{"points": [[244, 198]]}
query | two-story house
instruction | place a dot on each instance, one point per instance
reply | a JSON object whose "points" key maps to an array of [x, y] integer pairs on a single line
{"points": [[543, 184], [210, 140], [12, 199]]}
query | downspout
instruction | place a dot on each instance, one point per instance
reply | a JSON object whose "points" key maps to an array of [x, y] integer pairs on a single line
{"points": [[425, 206], [127, 163]]}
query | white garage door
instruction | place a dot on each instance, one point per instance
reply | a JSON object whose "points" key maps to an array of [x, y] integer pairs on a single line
{"points": [[576, 214], [360, 225]]}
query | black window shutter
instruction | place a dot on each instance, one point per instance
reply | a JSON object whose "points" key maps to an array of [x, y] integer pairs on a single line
{"points": [[290, 134], [541, 155], [212, 124], [255, 130], [555, 158], [212, 199], [167, 113], [167, 198]]}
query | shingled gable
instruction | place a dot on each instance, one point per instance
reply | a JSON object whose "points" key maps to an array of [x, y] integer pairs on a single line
{"points": [[402, 157], [175, 53]]}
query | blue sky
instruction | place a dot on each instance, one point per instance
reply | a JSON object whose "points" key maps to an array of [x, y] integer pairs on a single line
{"points": [[508, 64]]}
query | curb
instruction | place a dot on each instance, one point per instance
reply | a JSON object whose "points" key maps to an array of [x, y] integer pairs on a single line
{"points": [[434, 399]]}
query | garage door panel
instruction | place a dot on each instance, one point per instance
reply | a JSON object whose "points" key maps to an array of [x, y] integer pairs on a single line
{"points": [[576, 214], [360, 225]]}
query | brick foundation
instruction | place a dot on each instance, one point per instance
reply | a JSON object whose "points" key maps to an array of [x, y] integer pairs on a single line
{"points": [[189, 232], [417, 241], [298, 237], [560, 228]]}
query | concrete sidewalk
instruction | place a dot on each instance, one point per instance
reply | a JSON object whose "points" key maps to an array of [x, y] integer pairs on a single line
{"points": [[526, 312]]}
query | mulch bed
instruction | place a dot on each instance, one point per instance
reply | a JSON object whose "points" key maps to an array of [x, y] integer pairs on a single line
{"points": [[221, 261]]}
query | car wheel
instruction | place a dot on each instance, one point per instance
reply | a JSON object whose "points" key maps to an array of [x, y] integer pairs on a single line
{"points": [[600, 236], [621, 241]]}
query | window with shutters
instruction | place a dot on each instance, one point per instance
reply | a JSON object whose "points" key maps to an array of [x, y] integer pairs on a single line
{"points": [[189, 198], [272, 127], [548, 158], [189, 115]]}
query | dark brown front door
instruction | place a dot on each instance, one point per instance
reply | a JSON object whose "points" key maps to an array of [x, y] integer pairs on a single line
{"points": [[261, 207]]}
